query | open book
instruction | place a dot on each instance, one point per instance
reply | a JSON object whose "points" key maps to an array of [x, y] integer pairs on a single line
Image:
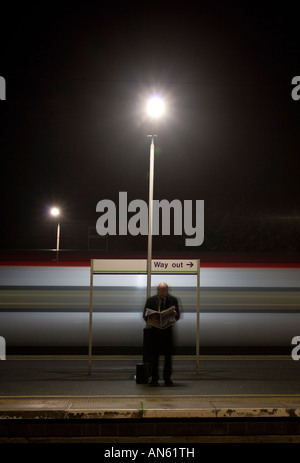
{"points": [[161, 319]]}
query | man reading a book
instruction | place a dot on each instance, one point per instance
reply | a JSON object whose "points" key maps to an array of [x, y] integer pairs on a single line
{"points": [[161, 341]]}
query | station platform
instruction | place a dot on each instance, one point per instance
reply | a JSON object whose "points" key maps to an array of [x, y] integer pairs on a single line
{"points": [[230, 399]]}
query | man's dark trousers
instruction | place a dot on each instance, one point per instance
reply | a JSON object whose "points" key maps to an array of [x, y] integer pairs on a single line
{"points": [[161, 344]]}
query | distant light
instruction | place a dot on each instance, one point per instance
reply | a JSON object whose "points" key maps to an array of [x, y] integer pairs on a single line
{"points": [[155, 106], [54, 211]]}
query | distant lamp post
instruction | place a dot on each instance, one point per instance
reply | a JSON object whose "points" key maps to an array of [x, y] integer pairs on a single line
{"points": [[155, 109], [55, 212]]}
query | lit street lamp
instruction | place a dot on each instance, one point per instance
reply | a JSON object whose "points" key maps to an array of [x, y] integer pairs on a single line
{"points": [[155, 106], [155, 110], [55, 213]]}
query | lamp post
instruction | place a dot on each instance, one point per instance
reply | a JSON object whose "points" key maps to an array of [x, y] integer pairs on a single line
{"points": [[150, 216], [155, 110], [55, 213]]}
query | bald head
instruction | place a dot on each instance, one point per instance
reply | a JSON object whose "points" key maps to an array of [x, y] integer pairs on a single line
{"points": [[162, 290]]}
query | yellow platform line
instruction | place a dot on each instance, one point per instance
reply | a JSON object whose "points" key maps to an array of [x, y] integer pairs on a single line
{"points": [[157, 397]]}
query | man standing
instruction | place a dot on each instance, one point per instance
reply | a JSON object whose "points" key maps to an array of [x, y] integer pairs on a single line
{"points": [[161, 339]]}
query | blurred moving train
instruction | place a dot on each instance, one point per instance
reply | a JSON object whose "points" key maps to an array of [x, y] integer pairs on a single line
{"points": [[252, 307]]}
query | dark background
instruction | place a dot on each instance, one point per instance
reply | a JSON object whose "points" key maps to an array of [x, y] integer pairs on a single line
{"points": [[73, 126]]}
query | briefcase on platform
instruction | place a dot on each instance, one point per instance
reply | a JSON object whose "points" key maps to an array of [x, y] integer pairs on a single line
{"points": [[142, 373]]}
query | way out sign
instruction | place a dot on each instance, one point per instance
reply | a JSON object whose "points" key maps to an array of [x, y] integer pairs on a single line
{"points": [[139, 266], [175, 266]]}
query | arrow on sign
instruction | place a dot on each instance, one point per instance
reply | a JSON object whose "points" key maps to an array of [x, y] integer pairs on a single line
{"points": [[190, 264]]}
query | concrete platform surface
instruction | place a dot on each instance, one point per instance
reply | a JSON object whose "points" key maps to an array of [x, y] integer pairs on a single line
{"points": [[59, 387]]}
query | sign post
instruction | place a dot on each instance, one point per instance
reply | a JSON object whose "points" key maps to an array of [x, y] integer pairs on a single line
{"points": [[198, 318], [91, 315], [139, 266]]}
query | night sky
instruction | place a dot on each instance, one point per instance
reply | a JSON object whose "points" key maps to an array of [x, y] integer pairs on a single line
{"points": [[73, 126]]}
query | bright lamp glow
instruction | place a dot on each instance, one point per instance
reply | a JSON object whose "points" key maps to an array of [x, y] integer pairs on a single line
{"points": [[155, 106], [54, 211]]}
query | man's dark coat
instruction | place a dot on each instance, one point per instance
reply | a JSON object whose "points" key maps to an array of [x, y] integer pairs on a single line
{"points": [[160, 340]]}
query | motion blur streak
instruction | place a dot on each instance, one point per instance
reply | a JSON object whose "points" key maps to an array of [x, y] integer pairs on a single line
{"points": [[42, 306]]}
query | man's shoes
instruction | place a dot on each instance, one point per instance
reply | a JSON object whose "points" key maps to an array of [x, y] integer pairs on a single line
{"points": [[168, 382]]}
